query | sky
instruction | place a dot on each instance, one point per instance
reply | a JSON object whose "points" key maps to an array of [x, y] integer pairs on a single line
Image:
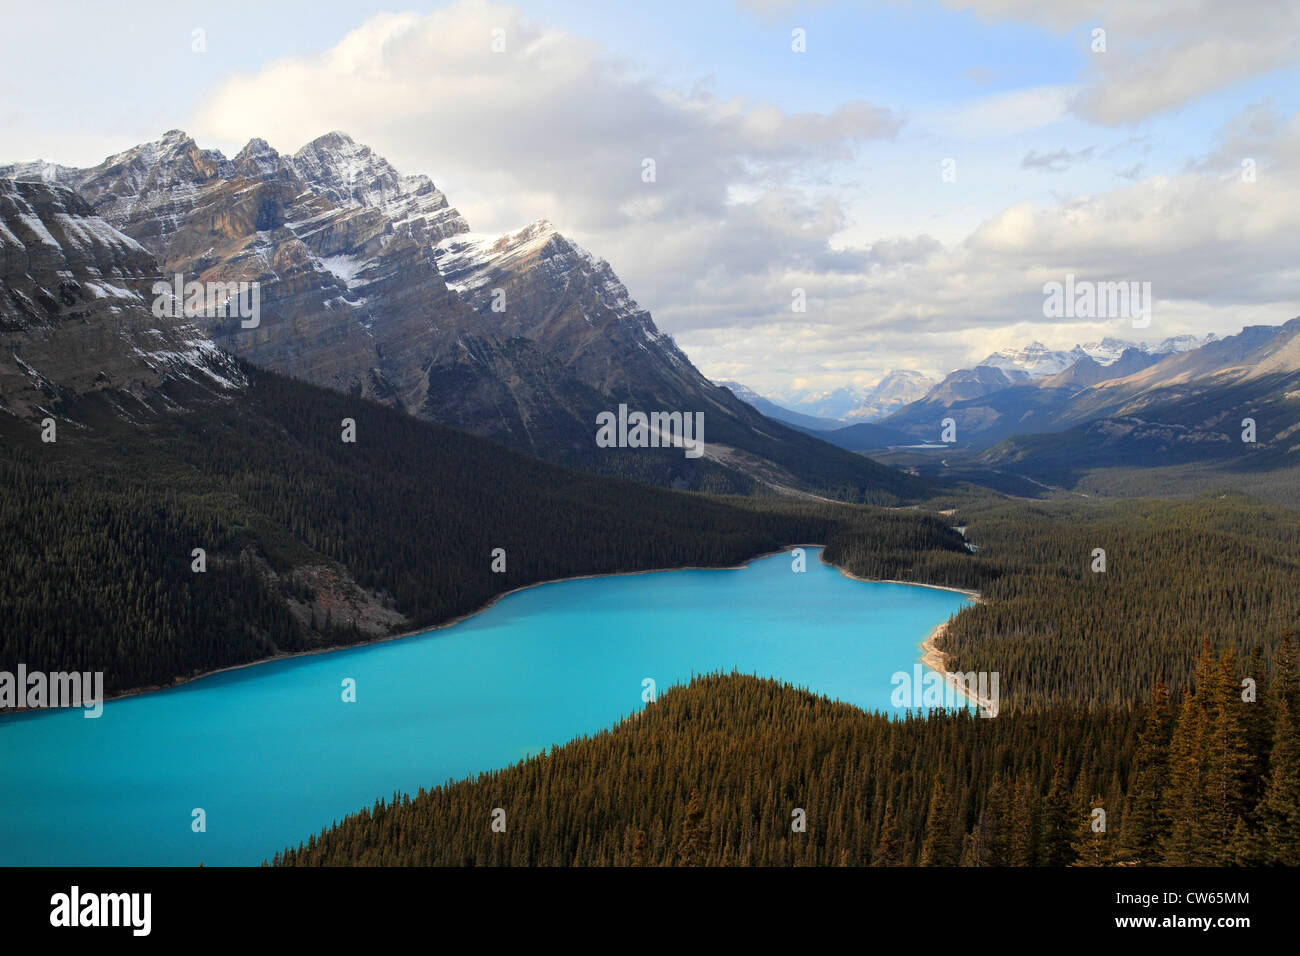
{"points": [[913, 172]]}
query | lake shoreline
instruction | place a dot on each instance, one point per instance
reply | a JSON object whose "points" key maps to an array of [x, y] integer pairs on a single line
{"points": [[937, 660], [181, 682], [931, 656]]}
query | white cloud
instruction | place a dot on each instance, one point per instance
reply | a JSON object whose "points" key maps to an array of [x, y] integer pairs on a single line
{"points": [[553, 126], [1004, 114], [1160, 54], [557, 127]]}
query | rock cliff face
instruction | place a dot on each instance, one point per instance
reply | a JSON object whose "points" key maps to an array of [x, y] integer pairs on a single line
{"points": [[75, 313], [551, 291], [372, 284]]}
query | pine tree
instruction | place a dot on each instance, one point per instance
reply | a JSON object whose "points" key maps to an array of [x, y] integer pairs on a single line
{"points": [[1144, 828], [694, 841], [1026, 823], [969, 854], [939, 848], [1182, 809], [1279, 812], [994, 830], [889, 848], [1228, 762], [1058, 821], [1257, 721], [1286, 674], [1092, 845], [1185, 807], [640, 850]]}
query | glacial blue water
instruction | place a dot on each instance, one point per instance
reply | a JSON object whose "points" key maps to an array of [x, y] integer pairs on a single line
{"points": [[272, 753]]}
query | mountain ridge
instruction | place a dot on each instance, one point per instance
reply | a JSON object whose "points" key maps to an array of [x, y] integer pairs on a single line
{"points": [[372, 284]]}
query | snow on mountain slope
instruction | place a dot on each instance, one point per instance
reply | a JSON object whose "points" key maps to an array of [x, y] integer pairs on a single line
{"points": [[351, 174], [1035, 359], [75, 309], [833, 403], [779, 412], [899, 387], [537, 284], [852, 404], [470, 261], [1038, 361]]}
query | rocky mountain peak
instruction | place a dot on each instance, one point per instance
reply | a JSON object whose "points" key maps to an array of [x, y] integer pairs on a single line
{"points": [[349, 172], [334, 140], [352, 175], [175, 153], [257, 158]]}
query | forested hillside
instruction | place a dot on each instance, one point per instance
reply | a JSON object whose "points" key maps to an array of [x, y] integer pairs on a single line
{"points": [[713, 774], [312, 541], [1176, 572]]}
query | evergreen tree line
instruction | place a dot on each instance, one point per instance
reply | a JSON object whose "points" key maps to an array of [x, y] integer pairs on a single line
{"points": [[1055, 630]]}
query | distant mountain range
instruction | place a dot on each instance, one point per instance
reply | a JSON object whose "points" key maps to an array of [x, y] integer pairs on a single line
{"points": [[848, 404], [1030, 418], [844, 405], [1038, 361], [371, 283], [779, 412], [1034, 390], [897, 389], [1187, 407]]}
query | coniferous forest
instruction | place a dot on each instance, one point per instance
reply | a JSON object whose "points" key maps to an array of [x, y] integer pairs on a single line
{"points": [[1220, 566], [714, 774]]}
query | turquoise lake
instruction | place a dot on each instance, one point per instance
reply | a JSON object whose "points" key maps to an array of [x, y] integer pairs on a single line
{"points": [[272, 753]]}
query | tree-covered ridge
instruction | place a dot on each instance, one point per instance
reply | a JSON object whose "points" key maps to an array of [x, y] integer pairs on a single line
{"points": [[714, 773], [1056, 630], [98, 528]]}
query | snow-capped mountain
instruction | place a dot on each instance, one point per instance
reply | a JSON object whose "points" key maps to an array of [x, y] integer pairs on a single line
{"points": [[1035, 360], [899, 387], [352, 175], [851, 404], [829, 403], [1184, 406], [782, 414], [1182, 343], [994, 401], [372, 283], [537, 284], [1038, 361]]}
